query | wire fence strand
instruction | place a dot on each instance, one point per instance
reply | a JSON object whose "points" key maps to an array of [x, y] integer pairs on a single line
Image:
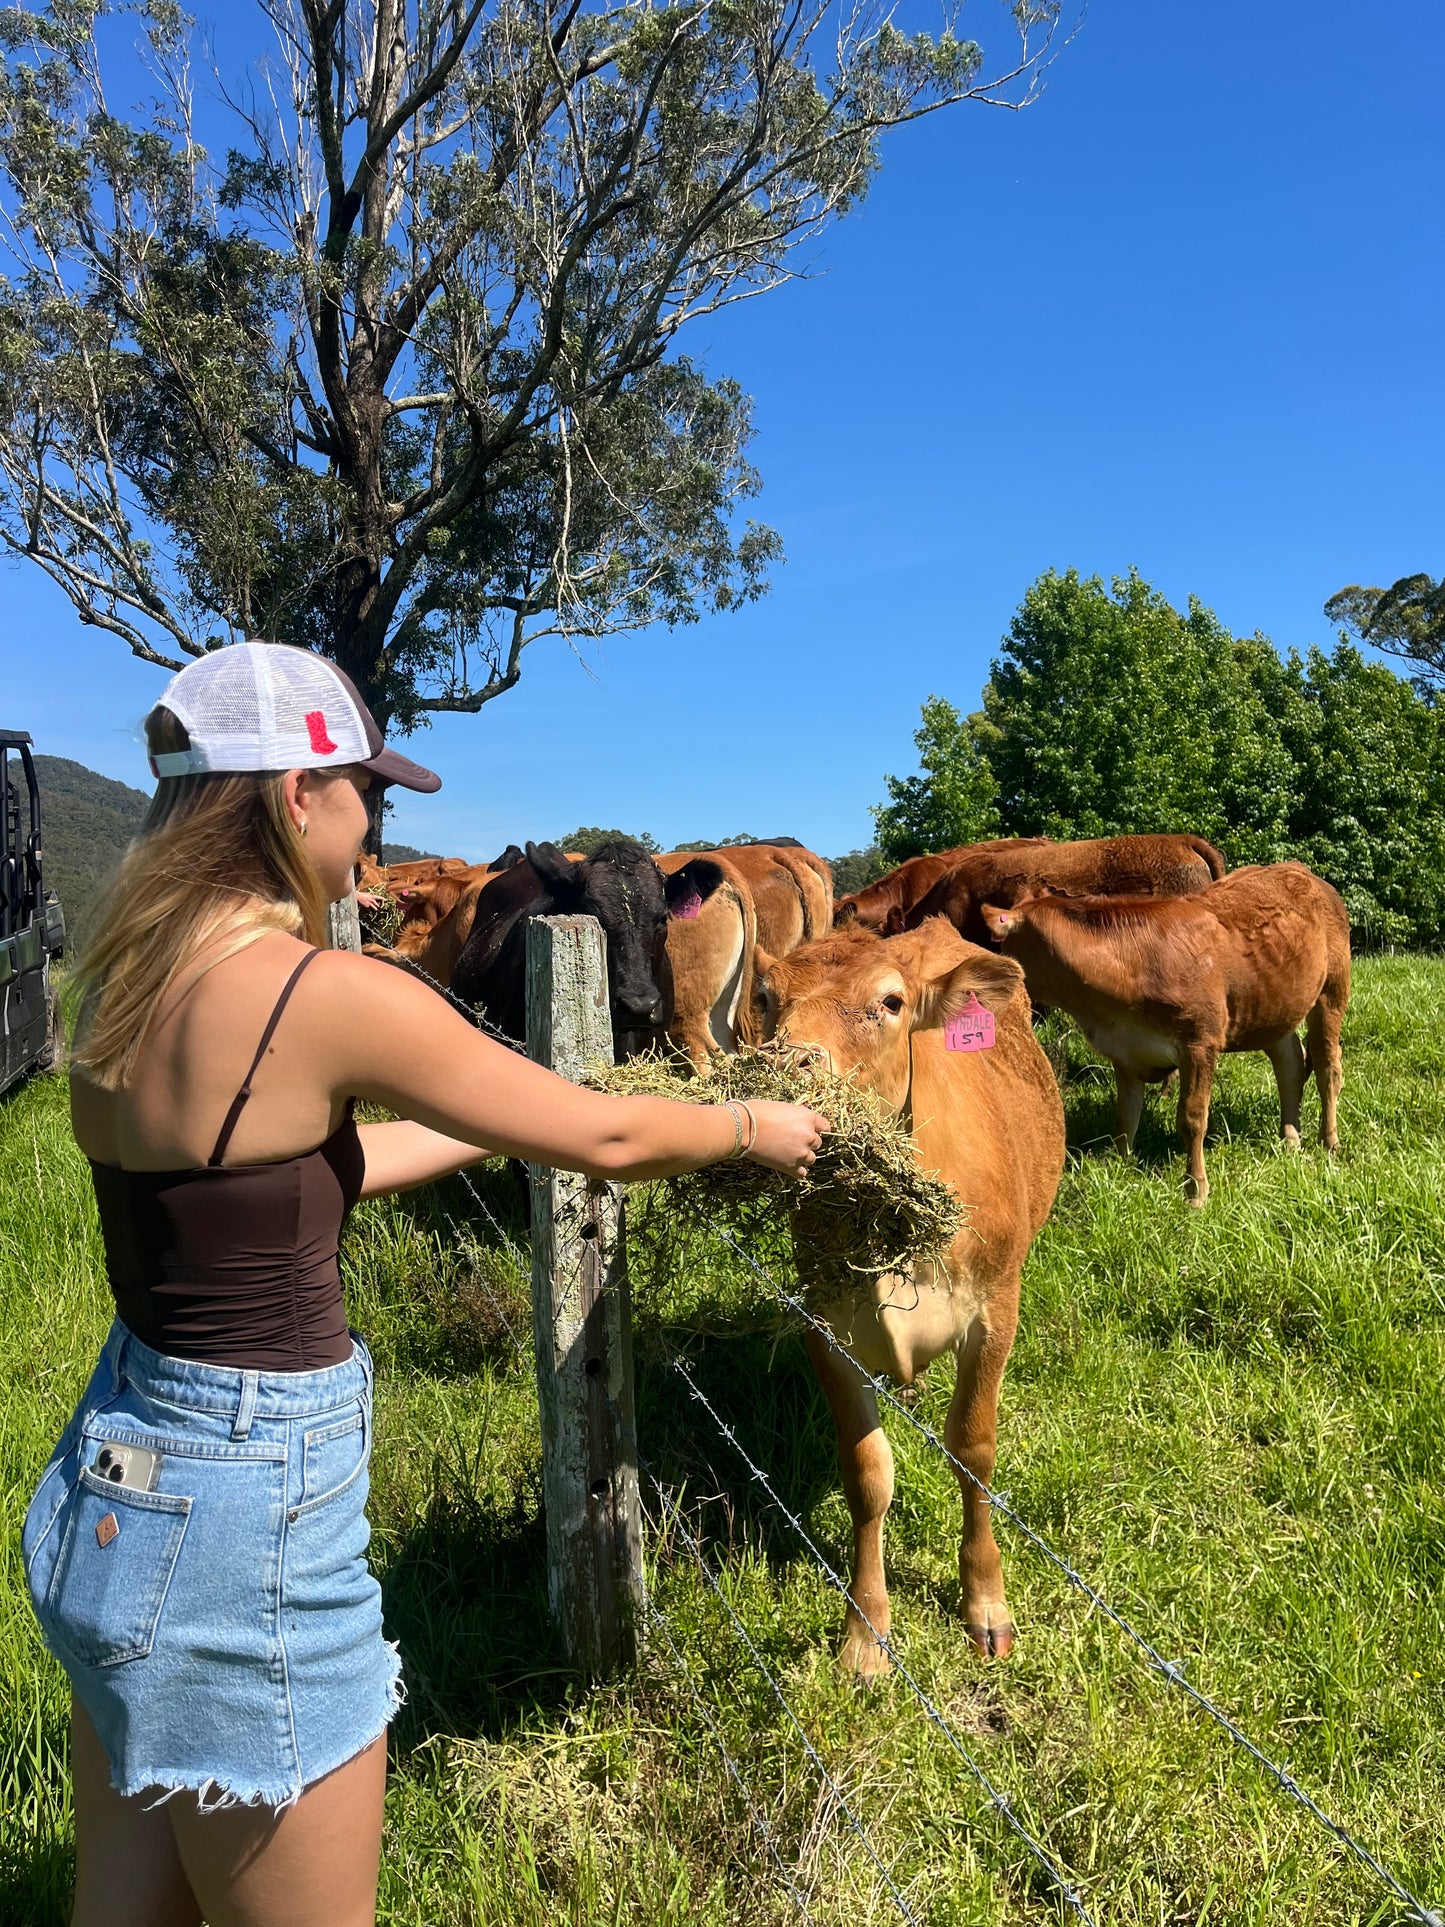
{"points": [[819, 1763], [1171, 1670], [997, 1799], [755, 1812]]}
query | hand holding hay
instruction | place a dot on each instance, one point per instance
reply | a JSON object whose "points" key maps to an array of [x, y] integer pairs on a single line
{"points": [[866, 1205]]}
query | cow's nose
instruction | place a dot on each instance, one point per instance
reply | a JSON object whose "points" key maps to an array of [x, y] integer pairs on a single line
{"points": [[640, 1010]]}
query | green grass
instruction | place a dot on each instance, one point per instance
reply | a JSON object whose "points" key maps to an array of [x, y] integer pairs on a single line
{"points": [[1232, 1421]]}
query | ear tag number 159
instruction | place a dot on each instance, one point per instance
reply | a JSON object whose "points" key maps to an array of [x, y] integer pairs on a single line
{"points": [[971, 1028]]}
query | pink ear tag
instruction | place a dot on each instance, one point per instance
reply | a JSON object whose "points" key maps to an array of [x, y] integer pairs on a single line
{"points": [[689, 907], [970, 1028]]}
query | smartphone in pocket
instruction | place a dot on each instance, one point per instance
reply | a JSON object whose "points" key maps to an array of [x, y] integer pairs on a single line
{"points": [[136, 1466]]}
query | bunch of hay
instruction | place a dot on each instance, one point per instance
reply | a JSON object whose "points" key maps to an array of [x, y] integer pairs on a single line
{"points": [[383, 923], [865, 1206]]}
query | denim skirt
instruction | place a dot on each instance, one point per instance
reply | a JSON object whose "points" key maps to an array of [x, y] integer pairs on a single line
{"points": [[223, 1629]]}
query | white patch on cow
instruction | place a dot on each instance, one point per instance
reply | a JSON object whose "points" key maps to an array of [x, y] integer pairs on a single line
{"points": [[1128, 1040], [898, 1326]]}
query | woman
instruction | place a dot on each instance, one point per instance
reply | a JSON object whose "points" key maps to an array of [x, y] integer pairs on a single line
{"points": [[196, 1548]]}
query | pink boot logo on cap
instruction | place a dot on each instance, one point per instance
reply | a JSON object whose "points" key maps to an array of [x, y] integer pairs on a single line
{"points": [[316, 727]]}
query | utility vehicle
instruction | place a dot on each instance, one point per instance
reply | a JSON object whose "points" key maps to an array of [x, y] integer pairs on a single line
{"points": [[32, 923]]}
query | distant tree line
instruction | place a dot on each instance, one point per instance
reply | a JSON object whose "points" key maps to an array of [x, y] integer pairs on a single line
{"points": [[1109, 712]]}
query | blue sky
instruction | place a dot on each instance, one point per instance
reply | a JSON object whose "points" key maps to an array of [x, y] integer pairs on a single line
{"points": [[1185, 313]]}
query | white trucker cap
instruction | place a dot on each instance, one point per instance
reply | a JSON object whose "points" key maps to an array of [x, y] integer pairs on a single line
{"points": [[268, 706]]}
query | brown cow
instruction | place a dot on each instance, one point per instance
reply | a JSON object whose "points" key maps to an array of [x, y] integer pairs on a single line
{"points": [[1159, 984], [434, 948], [792, 903], [990, 1121], [383, 877], [884, 904], [710, 948], [1113, 866]]}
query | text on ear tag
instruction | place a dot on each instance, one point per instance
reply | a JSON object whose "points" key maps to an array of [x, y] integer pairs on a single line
{"points": [[107, 1529], [689, 906], [971, 1028]]}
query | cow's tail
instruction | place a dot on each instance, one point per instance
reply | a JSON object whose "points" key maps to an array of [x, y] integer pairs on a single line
{"points": [[1214, 858]]}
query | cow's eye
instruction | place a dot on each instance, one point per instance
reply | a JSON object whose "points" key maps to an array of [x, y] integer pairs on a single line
{"points": [[892, 1002]]}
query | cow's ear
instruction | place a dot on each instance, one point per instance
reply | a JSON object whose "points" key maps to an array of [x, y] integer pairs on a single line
{"points": [[998, 919], [893, 922], [689, 888], [993, 980], [554, 869], [845, 911], [508, 860]]}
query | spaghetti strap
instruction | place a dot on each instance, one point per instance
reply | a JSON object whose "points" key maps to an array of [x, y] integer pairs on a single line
{"points": [[239, 1103]]}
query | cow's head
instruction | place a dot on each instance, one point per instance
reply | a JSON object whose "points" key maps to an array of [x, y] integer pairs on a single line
{"points": [[856, 998], [623, 888]]}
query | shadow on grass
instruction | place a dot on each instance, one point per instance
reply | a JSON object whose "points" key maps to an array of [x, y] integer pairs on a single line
{"points": [[465, 1597], [36, 1882], [1234, 1114]]}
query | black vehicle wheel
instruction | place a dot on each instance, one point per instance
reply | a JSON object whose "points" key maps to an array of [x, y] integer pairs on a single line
{"points": [[54, 1047]]}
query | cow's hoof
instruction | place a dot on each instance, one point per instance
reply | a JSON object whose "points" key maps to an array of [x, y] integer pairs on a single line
{"points": [[1291, 1138], [862, 1656], [993, 1641]]}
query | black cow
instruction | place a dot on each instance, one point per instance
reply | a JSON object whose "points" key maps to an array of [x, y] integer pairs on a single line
{"points": [[623, 888]]}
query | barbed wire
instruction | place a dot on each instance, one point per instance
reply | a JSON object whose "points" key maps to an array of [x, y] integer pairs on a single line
{"points": [[755, 1812], [1171, 1670], [820, 1764], [997, 1799]]}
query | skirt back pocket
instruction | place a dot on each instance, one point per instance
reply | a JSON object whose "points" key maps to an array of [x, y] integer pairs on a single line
{"points": [[109, 1587]]}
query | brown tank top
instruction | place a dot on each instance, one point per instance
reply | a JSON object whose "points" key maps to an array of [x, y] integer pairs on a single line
{"points": [[236, 1266]]}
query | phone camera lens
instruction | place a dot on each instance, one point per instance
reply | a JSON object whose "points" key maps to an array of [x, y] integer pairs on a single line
{"points": [[116, 1474], [103, 1458]]}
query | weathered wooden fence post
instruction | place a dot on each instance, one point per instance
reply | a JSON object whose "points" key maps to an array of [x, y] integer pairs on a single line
{"points": [[345, 922], [582, 1323]]}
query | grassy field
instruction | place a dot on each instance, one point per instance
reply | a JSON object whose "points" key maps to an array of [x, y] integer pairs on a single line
{"points": [[1233, 1422]]}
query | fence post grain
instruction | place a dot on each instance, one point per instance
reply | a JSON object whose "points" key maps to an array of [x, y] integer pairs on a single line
{"points": [[582, 1323]]}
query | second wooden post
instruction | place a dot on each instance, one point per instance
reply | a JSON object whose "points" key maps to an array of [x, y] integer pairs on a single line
{"points": [[582, 1324]]}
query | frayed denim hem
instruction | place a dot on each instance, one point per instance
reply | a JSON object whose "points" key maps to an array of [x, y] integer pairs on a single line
{"points": [[226, 1799]]}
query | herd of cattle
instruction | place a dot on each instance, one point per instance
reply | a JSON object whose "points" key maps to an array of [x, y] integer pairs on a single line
{"points": [[1162, 958]]}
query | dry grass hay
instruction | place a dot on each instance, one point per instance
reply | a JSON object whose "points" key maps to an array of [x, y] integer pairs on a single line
{"points": [[383, 922], [866, 1207]]}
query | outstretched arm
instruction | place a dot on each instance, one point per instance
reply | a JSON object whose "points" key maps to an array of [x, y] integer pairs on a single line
{"points": [[382, 1036]]}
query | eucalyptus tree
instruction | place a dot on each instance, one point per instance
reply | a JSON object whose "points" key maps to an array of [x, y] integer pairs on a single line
{"points": [[1407, 619], [380, 353]]}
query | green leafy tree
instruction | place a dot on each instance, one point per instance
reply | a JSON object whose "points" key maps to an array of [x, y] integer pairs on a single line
{"points": [[396, 373], [1407, 619], [954, 798], [1109, 712], [857, 869], [587, 841], [1369, 807]]}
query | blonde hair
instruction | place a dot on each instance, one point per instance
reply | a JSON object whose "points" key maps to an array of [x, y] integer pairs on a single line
{"points": [[216, 864]]}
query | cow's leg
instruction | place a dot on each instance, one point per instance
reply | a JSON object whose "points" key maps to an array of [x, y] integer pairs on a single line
{"points": [[1322, 1027], [1128, 1108], [866, 1459], [971, 1435], [1287, 1056], [1196, 1080]]}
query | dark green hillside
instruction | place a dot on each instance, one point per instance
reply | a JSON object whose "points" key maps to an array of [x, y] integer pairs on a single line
{"points": [[87, 821]]}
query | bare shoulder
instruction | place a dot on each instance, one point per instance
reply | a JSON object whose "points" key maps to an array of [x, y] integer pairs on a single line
{"points": [[369, 1007]]}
